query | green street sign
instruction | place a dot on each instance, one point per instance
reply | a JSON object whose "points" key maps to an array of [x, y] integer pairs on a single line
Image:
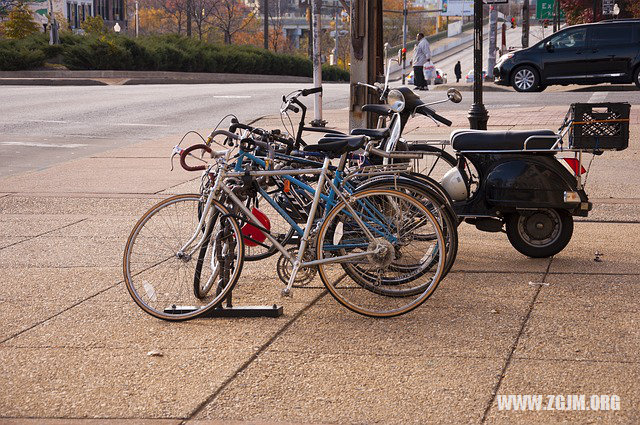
{"points": [[544, 9]]}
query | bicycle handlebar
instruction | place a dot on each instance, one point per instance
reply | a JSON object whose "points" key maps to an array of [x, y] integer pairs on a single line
{"points": [[306, 92], [187, 151]]}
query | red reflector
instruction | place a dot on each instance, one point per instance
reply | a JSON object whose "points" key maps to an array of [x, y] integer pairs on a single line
{"points": [[574, 164], [252, 232]]}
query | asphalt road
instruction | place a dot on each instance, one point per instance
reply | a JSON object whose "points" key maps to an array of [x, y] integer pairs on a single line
{"points": [[43, 126]]}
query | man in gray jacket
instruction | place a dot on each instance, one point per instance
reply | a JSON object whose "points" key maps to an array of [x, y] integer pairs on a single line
{"points": [[421, 55]]}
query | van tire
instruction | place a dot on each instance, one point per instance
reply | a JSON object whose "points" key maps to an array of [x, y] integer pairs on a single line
{"points": [[636, 76]]}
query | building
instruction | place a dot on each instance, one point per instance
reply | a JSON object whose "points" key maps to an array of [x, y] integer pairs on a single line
{"points": [[76, 11]]}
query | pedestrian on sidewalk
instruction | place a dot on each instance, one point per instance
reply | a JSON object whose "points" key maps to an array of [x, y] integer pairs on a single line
{"points": [[458, 71], [421, 55]]}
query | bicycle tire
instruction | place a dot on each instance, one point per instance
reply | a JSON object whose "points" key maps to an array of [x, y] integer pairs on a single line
{"points": [[150, 259], [371, 302]]}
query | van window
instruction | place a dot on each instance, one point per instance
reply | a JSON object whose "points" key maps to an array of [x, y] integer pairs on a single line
{"points": [[607, 35], [570, 39]]}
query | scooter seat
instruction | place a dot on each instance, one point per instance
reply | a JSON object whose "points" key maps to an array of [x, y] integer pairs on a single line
{"points": [[372, 133], [472, 140], [335, 145]]}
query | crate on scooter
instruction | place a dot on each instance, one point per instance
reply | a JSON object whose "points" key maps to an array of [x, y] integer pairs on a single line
{"points": [[599, 126]]}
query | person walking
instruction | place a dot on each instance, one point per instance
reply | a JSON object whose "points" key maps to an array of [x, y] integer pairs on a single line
{"points": [[421, 55], [458, 71]]}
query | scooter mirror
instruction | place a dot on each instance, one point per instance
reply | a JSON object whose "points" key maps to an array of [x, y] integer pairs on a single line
{"points": [[454, 95]]}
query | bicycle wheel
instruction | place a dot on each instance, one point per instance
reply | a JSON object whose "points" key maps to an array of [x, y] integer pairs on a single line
{"points": [[160, 279], [435, 162], [363, 283], [430, 196]]}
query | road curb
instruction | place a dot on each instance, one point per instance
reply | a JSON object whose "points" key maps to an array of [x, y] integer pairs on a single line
{"points": [[106, 77]]}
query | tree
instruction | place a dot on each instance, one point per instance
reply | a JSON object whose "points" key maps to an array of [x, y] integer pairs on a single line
{"points": [[581, 11], [93, 25], [20, 23], [202, 11], [6, 6], [230, 17]]}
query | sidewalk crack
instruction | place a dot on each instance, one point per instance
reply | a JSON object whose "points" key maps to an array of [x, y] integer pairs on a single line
{"points": [[251, 359], [507, 362], [42, 234]]}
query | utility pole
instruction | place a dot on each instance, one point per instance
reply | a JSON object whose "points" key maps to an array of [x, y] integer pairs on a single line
{"points": [[265, 7], [404, 39], [595, 10], [478, 115], [335, 46], [503, 48], [493, 40], [525, 24], [53, 31], [317, 65], [137, 19]]}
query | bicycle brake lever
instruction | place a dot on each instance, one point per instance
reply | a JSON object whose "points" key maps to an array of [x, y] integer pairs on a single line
{"points": [[177, 150]]}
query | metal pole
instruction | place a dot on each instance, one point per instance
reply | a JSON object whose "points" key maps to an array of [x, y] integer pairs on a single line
{"points": [[137, 19], [525, 24], [335, 46], [404, 39], [503, 49], [266, 24], [493, 40], [595, 10], [478, 115], [317, 65]]}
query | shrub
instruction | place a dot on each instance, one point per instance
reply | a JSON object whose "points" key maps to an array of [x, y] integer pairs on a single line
{"points": [[158, 53], [334, 73], [93, 25]]}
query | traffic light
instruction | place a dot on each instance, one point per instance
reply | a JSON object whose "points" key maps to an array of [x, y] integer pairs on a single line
{"points": [[513, 22], [404, 54], [545, 23]]}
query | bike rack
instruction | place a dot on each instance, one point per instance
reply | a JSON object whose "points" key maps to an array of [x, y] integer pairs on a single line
{"points": [[229, 310]]}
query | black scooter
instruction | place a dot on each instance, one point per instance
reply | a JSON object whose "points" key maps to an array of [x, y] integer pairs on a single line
{"points": [[512, 181]]}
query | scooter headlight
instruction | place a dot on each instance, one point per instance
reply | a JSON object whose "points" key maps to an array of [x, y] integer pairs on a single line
{"points": [[395, 100]]}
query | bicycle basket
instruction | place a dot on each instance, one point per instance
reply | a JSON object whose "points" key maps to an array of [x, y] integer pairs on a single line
{"points": [[599, 126]]}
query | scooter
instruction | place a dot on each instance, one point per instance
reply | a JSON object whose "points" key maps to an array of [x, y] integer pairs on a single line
{"points": [[512, 181]]}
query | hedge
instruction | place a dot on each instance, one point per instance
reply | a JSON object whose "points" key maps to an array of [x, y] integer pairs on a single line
{"points": [[154, 53]]}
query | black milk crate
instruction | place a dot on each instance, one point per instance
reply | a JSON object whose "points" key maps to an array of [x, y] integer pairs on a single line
{"points": [[599, 126]]}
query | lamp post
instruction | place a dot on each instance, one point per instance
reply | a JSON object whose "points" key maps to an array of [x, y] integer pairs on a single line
{"points": [[478, 115]]}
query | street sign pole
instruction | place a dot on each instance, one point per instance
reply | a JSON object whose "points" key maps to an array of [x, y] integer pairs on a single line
{"points": [[404, 39], [478, 115]]}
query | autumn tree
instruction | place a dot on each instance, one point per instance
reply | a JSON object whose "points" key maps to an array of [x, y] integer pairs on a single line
{"points": [[230, 17], [581, 11], [202, 14], [20, 23]]}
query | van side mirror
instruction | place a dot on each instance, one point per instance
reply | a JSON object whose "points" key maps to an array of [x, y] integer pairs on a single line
{"points": [[549, 46]]}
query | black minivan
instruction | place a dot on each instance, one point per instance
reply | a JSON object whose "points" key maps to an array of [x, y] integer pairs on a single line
{"points": [[602, 52]]}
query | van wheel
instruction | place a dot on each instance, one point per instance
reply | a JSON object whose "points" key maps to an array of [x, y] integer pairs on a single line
{"points": [[540, 233], [636, 77], [525, 79]]}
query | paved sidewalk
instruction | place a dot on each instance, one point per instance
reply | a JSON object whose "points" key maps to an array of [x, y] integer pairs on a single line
{"points": [[73, 346]]}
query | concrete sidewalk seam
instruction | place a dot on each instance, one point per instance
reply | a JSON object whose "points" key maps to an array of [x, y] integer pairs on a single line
{"points": [[515, 345], [546, 359], [30, 238], [60, 312], [253, 357]]}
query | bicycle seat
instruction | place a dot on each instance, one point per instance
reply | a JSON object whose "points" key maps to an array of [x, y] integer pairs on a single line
{"points": [[470, 140], [374, 134], [336, 146], [377, 109]]}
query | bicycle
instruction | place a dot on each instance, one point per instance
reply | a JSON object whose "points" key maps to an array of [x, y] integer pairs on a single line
{"points": [[369, 229]]}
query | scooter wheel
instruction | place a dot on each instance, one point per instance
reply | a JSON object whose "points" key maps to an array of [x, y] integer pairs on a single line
{"points": [[540, 233]]}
